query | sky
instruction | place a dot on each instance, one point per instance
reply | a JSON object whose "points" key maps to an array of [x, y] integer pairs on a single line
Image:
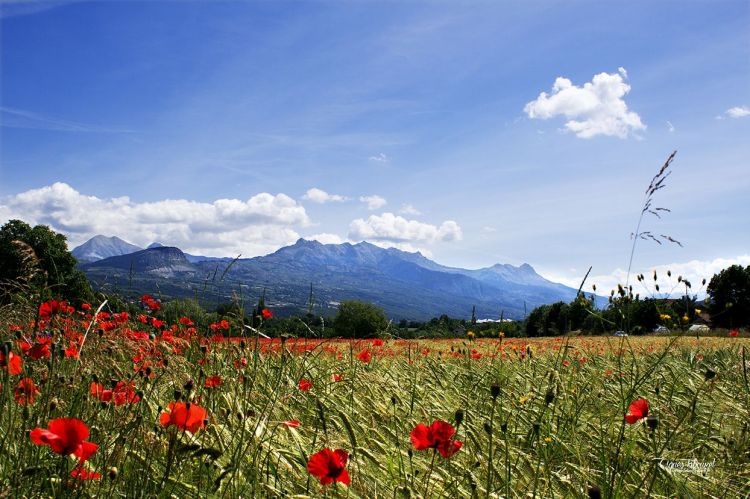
{"points": [[475, 132]]}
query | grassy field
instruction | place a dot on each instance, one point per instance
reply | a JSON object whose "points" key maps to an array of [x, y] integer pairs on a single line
{"points": [[543, 417]]}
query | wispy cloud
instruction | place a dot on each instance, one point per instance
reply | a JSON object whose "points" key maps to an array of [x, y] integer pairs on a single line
{"points": [[407, 209], [12, 8], [19, 118], [738, 112], [373, 202], [320, 196], [380, 158]]}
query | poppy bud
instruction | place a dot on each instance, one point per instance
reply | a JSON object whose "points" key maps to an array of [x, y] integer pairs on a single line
{"points": [[549, 397], [495, 390], [100, 332], [165, 362], [26, 412], [242, 344], [148, 371], [393, 399], [94, 378], [204, 349], [594, 492], [504, 427], [140, 394], [152, 337], [410, 453], [113, 383], [459, 417], [405, 491], [487, 428], [250, 413], [537, 426], [189, 385], [652, 422], [177, 395], [112, 473], [710, 374], [52, 405]]}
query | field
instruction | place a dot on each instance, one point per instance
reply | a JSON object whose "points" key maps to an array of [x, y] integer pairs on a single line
{"points": [[177, 410]]}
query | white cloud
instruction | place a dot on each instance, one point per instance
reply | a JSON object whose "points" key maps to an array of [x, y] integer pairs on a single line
{"points": [[738, 112], [407, 209], [380, 158], [225, 227], [320, 196], [596, 108], [694, 271], [373, 202], [326, 238], [396, 229], [408, 247]]}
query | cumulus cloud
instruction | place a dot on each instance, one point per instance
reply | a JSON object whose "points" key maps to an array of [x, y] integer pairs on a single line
{"points": [[380, 158], [694, 271], [396, 229], [738, 112], [596, 108], [255, 226], [407, 209], [373, 202], [320, 196], [326, 238]]}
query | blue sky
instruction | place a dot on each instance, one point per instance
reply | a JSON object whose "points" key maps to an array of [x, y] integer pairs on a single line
{"points": [[415, 124]]}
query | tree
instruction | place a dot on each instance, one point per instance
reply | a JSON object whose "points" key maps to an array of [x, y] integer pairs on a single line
{"points": [[357, 319], [729, 293], [535, 322], [38, 257]]}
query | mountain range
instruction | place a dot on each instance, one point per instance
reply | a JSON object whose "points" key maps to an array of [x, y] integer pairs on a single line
{"points": [[407, 285]]}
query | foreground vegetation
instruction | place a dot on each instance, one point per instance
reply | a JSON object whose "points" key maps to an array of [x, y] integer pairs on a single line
{"points": [[172, 409]]}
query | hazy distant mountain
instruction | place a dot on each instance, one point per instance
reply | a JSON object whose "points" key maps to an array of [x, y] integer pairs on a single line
{"points": [[100, 247], [406, 285]]}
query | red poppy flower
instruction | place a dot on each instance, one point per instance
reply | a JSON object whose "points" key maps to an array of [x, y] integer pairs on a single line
{"points": [[186, 321], [637, 410], [82, 473], [65, 436], [213, 382], [26, 391], [337, 377], [365, 356], [122, 393], [188, 416], [37, 350], [305, 385], [293, 423], [377, 342], [328, 465], [734, 332], [436, 436], [267, 314], [12, 363], [52, 307]]}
